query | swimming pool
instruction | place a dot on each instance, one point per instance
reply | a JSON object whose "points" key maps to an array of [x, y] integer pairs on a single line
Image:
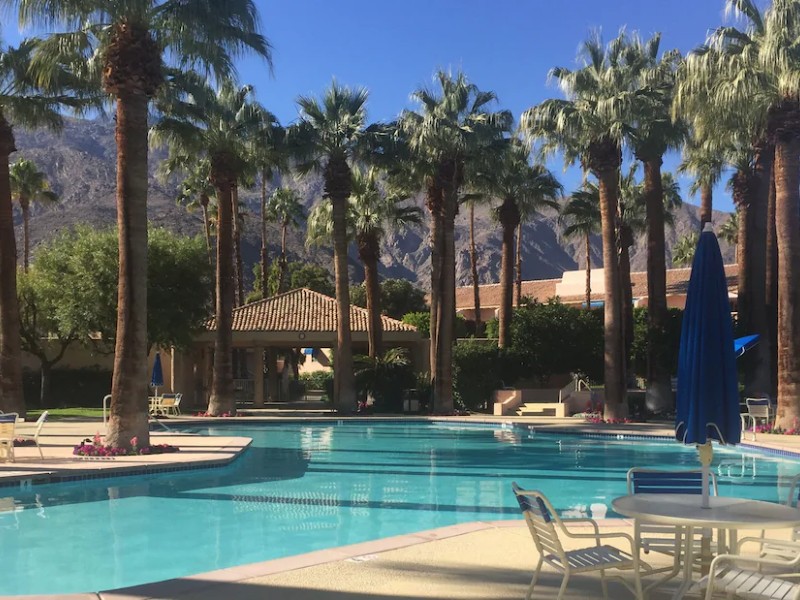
{"points": [[309, 486]]}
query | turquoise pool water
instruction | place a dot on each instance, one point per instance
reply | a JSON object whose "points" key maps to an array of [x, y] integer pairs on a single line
{"points": [[304, 487]]}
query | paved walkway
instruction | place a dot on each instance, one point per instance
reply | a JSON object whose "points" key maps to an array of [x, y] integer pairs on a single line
{"points": [[471, 561], [58, 439]]}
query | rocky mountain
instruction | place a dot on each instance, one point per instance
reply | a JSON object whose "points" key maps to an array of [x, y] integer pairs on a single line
{"points": [[80, 164]]}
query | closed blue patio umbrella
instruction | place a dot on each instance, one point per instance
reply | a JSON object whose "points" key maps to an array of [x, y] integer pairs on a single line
{"points": [[157, 379], [708, 394]]}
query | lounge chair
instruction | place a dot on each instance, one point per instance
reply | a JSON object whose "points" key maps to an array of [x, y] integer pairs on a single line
{"points": [[546, 527], [757, 409], [35, 435], [171, 404], [8, 422], [667, 539], [742, 576]]}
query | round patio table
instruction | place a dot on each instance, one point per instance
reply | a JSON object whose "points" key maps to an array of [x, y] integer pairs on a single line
{"points": [[724, 513]]}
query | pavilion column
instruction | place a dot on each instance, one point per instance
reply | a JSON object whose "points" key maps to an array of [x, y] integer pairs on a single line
{"points": [[272, 374], [258, 374]]}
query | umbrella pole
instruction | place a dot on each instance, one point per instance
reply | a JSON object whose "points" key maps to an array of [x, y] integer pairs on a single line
{"points": [[706, 453]]}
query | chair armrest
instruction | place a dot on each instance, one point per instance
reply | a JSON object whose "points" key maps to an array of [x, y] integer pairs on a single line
{"points": [[764, 541], [751, 560], [592, 522], [601, 536]]}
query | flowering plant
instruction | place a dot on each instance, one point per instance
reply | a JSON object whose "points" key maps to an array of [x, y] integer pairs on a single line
{"points": [[205, 414], [94, 447], [598, 420]]}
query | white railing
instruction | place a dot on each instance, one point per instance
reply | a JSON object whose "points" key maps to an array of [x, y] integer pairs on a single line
{"points": [[580, 384], [576, 385], [244, 389]]}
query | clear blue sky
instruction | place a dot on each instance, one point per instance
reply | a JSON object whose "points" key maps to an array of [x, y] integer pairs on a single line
{"points": [[508, 46]]}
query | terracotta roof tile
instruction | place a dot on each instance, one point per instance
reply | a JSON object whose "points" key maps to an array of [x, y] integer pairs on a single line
{"points": [[300, 310]]}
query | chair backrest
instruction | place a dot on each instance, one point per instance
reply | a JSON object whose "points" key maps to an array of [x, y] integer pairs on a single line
{"points": [[8, 422], [654, 481], [793, 498], [758, 407], [178, 397], [541, 519], [167, 401], [40, 422]]}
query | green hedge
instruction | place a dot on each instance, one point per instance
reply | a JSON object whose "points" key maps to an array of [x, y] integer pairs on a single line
{"points": [[69, 388]]}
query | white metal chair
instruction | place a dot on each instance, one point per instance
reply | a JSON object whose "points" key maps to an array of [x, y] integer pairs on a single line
{"points": [[739, 576], [667, 539], [35, 435], [783, 549], [8, 423], [171, 404], [757, 409], [546, 527]]}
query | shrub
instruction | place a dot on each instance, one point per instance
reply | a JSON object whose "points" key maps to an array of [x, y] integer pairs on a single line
{"points": [[420, 320], [671, 337], [480, 368], [554, 338], [316, 380], [69, 387], [385, 378]]}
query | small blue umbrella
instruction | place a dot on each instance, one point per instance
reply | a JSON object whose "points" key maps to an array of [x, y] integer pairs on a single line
{"points": [[743, 344], [708, 394], [157, 380]]}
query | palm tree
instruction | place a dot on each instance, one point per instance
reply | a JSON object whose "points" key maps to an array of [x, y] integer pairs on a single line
{"points": [[730, 233], [284, 207], [271, 157], [521, 188], [196, 191], [705, 163], [216, 125], [590, 126], [370, 214], [29, 185], [328, 138], [121, 47], [653, 134], [452, 127], [580, 218], [683, 250], [471, 200], [21, 105]]}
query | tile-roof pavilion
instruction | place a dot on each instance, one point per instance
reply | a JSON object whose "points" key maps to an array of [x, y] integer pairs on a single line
{"points": [[304, 316]]}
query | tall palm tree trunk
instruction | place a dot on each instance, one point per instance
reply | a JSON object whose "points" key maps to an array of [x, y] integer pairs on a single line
{"points": [[264, 271], [433, 201], [25, 205], [128, 414], [607, 158], [706, 205], [443, 391], [11, 398], [772, 290], [787, 219], [473, 260], [588, 271], [282, 259], [237, 241], [221, 400], [741, 199], [368, 252], [509, 219], [204, 200], [519, 265], [658, 397], [338, 185], [757, 376], [626, 241]]}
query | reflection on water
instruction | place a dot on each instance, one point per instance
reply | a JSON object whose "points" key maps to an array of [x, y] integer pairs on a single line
{"points": [[303, 487]]}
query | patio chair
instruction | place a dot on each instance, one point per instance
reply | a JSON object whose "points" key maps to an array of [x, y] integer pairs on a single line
{"points": [[783, 549], [740, 576], [757, 409], [547, 528], [8, 422], [170, 404], [35, 435], [667, 539]]}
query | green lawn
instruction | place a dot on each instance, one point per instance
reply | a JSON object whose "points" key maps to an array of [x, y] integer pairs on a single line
{"points": [[68, 413]]}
